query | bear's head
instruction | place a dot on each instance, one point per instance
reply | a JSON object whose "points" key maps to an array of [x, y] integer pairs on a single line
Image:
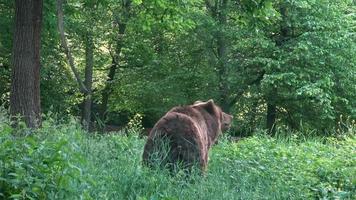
{"points": [[224, 119]]}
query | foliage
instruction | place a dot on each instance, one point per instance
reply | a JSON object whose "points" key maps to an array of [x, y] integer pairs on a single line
{"points": [[6, 15], [304, 78], [135, 124], [44, 165], [296, 55], [307, 169], [60, 161]]}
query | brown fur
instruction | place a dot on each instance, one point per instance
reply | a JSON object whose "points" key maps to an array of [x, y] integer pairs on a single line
{"points": [[190, 132]]}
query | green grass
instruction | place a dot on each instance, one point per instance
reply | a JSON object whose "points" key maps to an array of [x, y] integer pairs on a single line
{"points": [[63, 162]]}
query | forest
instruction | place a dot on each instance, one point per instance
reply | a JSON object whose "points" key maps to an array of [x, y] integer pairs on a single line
{"points": [[82, 82]]}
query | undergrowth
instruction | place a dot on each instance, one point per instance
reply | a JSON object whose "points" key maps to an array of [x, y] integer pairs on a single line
{"points": [[60, 161]]}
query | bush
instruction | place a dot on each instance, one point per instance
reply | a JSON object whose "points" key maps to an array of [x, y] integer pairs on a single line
{"points": [[44, 165]]}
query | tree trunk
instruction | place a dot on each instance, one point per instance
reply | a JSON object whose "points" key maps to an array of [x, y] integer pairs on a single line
{"points": [[272, 99], [105, 94], [88, 82], [218, 11], [112, 71], [271, 117], [25, 85], [64, 44]]}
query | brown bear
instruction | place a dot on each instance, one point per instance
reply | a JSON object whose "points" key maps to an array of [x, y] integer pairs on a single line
{"points": [[185, 134]]}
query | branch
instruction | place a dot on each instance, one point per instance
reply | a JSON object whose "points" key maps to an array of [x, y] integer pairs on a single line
{"points": [[64, 45]]}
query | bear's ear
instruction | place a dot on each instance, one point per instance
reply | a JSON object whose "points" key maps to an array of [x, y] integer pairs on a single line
{"points": [[209, 106], [196, 102], [202, 102]]}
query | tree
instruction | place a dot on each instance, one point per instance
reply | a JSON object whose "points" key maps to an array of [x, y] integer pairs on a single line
{"points": [[88, 81], [64, 44], [86, 86], [269, 62], [25, 85], [121, 17], [303, 83]]}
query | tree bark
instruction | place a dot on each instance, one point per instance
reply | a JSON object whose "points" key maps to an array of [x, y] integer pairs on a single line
{"points": [[88, 82], [25, 85]]}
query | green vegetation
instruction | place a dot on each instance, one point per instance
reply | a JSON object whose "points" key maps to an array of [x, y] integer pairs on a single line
{"points": [[285, 69], [267, 62], [61, 161]]}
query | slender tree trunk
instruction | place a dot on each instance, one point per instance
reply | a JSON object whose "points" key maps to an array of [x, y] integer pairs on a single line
{"points": [[112, 71], [271, 117], [88, 82], [126, 5], [86, 86], [107, 90], [25, 85], [222, 56], [64, 44], [218, 10], [284, 33]]}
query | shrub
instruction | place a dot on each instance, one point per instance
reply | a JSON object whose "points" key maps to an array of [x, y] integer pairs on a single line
{"points": [[44, 165]]}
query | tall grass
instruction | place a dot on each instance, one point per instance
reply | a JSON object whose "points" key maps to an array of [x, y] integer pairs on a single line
{"points": [[60, 161]]}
